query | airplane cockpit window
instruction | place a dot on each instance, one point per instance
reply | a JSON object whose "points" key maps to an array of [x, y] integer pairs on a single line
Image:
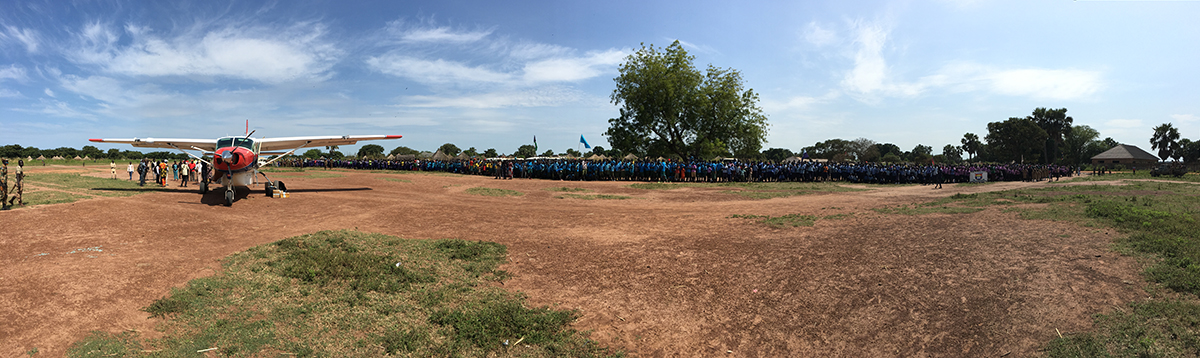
{"points": [[244, 143], [236, 142]]}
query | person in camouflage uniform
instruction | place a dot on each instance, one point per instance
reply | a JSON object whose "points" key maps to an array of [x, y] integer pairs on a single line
{"points": [[4, 185], [18, 198]]}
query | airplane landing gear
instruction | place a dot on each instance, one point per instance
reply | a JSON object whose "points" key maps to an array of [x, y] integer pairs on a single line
{"points": [[270, 189], [203, 187], [229, 196]]}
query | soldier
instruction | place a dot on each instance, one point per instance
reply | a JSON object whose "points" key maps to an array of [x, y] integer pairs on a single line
{"points": [[142, 169], [4, 185], [18, 198]]}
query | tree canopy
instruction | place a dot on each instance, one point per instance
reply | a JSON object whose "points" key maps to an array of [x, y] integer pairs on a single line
{"points": [[1055, 123], [370, 151], [667, 106], [1017, 139], [1166, 140], [402, 150], [449, 149]]}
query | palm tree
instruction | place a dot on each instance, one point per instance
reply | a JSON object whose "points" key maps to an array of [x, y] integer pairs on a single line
{"points": [[1165, 140]]}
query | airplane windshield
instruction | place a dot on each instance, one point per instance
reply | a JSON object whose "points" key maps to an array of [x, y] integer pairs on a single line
{"points": [[236, 142]]}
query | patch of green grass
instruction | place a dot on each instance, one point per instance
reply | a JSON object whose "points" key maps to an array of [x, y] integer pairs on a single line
{"points": [[88, 185], [103, 344], [1141, 174], [755, 190], [398, 180], [493, 192], [594, 197], [568, 190], [345, 293], [46, 197], [1160, 328], [282, 169], [1158, 219]]}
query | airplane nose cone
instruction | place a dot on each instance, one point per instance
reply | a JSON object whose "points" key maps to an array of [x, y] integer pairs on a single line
{"points": [[227, 157]]}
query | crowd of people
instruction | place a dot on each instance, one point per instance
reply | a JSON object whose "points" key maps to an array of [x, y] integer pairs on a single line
{"points": [[184, 171], [666, 170]]}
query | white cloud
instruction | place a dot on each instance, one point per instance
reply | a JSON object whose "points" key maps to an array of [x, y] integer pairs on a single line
{"points": [[1045, 83], [543, 97], [48, 92], [695, 47], [434, 72], [270, 55], [869, 76], [26, 37], [13, 73], [1124, 123], [797, 102], [441, 34], [819, 36], [573, 68], [530, 51], [7, 93], [1185, 117]]}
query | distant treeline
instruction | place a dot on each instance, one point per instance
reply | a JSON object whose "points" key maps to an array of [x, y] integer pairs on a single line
{"points": [[18, 151]]}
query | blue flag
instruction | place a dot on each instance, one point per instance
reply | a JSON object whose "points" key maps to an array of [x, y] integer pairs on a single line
{"points": [[584, 141]]}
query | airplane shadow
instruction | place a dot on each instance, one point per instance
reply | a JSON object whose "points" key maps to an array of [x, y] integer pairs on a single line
{"points": [[216, 196]]}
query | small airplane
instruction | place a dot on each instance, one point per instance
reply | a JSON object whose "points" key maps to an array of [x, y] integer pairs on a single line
{"points": [[236, 158]]}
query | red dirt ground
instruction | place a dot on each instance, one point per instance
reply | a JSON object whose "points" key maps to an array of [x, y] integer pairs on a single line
{"points": [[667, 273]]}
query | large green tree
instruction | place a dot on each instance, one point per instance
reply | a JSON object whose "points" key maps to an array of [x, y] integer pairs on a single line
{"points": [[1166, 140], [777, 154], [1056, 123], [402, 150], [971, 144], [370, 151], [525, 151], [1077, 145], [667, 107], [449, 149], [1017, 139]]}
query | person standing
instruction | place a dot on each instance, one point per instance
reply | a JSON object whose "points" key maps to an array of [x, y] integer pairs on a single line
{"points": [[19, 188], [130, 170], [112, 166], [4, 185], [183, 175], [141, 172], [162, 169]]}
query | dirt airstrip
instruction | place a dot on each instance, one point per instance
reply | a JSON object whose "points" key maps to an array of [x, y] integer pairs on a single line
{"points": [[665, 273]]}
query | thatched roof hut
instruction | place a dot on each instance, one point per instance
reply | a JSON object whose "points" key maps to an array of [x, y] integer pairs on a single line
{"points": [[631, 157]]}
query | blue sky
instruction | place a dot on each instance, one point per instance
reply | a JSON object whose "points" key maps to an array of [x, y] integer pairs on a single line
{"points": [[491, 74]]}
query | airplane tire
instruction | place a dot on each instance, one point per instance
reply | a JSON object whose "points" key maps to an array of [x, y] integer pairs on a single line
{"points": [[229, 197], [270, 189], [203, 188]]}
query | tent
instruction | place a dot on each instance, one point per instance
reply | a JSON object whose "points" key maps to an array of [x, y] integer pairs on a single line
{"points": [[56, 158], [78, 158], [631, 157]]}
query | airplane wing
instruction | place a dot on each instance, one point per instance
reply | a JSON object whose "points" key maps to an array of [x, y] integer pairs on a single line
{"points": [[168, 143], [287, 143]]}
